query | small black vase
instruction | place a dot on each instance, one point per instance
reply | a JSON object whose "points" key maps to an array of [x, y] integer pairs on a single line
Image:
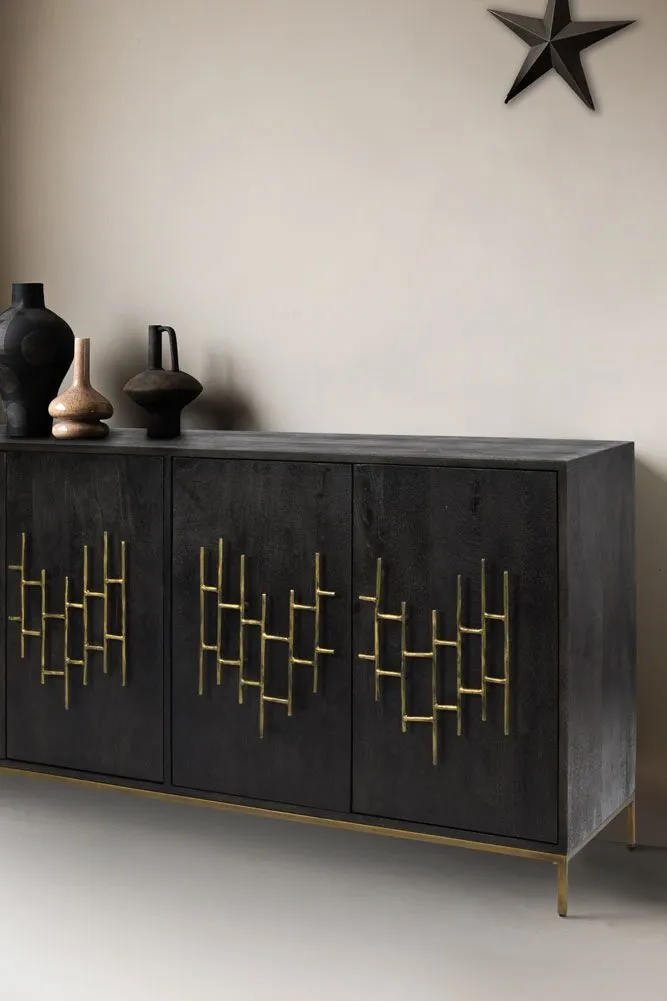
{"points": [[36, 350], [163, 394]]}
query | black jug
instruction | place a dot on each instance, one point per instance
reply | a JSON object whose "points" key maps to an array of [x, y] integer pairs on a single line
{"points": [[163, 393]]}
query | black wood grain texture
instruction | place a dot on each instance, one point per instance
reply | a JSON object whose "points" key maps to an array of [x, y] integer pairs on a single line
{"points": [[167, 561], [519, 453], [428, 525], [61, 501], [3, 610], [598, 641], [279, 514]]}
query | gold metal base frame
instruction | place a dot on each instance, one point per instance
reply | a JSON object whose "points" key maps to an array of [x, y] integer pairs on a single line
{"points": [[560, 861], [562, 886]]}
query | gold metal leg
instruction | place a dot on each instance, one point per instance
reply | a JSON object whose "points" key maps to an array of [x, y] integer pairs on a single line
{"points": [[632, 825], [562, 887]]}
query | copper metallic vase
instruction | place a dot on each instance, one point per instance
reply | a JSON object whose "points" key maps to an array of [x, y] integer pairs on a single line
{"points": [[80, 410]]}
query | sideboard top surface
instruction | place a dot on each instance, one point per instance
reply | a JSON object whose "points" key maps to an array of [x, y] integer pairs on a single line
{"points": [[530, 453]]}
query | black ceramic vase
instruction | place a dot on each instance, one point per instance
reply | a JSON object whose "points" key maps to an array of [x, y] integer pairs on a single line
{"points": [[163, 393], [36, 350]]}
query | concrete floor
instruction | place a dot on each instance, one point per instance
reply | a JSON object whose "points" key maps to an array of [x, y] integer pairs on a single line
{"points": [[109, 896]]}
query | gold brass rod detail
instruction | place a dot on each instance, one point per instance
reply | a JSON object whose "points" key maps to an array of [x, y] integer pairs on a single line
{"points": [[434, 687], [105, 626], [483, 632], [437, 642], [25, 585], [66, 644], [123, 610], [299, 818], [262, 669], [85, 612], [506, 651], [43, 630], [490, 848], [459, 656], [562, 886], [203, 646], [404, 697], [290, 655], [294, 659], [88, 596], [242, 623], [218, 624]]}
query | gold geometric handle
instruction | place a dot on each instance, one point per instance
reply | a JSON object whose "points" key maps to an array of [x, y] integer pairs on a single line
{"points": [[437, 642], [245, 623], [69, 606]]}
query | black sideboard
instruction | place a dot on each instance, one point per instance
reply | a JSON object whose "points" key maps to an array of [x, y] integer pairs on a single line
{"points": [[431, 638]]}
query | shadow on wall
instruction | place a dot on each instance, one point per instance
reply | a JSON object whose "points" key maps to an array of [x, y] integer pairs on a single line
{"points": [[223, 406]]}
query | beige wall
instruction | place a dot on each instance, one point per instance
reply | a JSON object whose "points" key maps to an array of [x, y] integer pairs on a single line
{"points": [[330, 202]]}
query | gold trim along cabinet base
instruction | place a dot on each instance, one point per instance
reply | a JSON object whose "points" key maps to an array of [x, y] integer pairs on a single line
{"points": [[560, 861]]}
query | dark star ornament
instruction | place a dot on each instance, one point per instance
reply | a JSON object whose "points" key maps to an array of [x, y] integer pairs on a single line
{"points": [[556, 43]]}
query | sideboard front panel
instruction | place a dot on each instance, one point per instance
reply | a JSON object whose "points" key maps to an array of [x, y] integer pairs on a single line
{"points": [[256, 712], [428, 526], [3, 609], [84, 585]]}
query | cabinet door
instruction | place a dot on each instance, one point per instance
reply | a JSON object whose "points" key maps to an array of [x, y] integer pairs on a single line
{"points": [[85, 607], [455, 680], [3, 614], [261, 625]]}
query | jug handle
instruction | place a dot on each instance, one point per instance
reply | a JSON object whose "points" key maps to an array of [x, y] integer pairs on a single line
{"points": [[173, 346]]}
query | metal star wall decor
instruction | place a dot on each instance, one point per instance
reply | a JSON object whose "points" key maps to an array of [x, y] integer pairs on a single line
{"points": [[556, 43]]}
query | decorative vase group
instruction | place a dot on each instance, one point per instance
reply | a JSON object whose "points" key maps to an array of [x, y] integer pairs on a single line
{"points": [[36, 350]]}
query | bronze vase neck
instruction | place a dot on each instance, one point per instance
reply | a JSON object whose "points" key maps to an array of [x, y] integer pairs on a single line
{"points": [[81, 376]]}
